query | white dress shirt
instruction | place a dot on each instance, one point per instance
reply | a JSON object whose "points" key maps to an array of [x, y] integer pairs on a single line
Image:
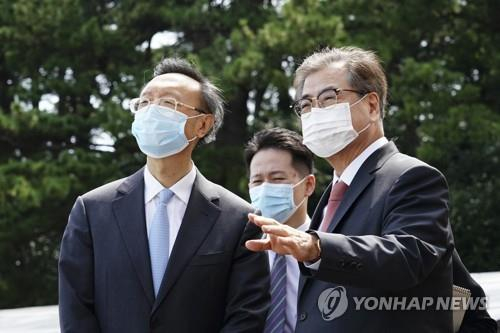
{"points": [[292, 283], [176, 207], [352, 169], [348, 175]]}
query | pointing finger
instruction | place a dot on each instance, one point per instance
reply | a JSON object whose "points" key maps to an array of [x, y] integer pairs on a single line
{"points": [[260, 220], [276, 230], [258, 245]]}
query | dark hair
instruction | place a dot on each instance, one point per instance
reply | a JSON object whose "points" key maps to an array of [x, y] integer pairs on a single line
{"points": [[365, 73], [210, 93], [282, 139]]}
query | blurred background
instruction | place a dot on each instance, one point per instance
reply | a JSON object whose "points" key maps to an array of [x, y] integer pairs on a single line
{"points": [[69, 67]]}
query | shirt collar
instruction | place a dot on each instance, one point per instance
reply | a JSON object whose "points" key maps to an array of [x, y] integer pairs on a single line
{"points": [[352, 169], [181, 189]]}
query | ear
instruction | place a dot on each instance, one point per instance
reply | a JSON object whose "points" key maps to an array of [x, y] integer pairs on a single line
{"points": [[204, 125], [374, 104], [310, 183]]}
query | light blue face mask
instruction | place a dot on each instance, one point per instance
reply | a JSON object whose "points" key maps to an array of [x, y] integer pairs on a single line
{"points": [[275, 200], [159, 131]]}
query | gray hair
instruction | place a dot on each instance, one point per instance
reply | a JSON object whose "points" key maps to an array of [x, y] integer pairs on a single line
{"points": [[363, 67], [210, 93]]}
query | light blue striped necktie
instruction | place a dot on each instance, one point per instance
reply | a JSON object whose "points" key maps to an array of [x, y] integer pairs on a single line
{"points": [[159, 239], [275, 322]]}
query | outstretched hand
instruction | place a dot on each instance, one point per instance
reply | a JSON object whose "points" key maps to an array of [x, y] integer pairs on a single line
{"points": [[284, 239]]}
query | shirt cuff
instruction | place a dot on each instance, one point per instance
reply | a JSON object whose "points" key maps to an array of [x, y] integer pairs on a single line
{"points": [[314, 265]]}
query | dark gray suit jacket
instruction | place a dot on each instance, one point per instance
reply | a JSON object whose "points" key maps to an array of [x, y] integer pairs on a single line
{"points": [[389, 237], [212, 283], [475, 320]]}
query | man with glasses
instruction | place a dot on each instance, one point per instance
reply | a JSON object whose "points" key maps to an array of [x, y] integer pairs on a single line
{"points": [[163, 249], [281, 181], [381, 230]]}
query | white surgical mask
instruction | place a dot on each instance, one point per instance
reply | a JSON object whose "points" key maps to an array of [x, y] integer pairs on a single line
{"points": [[327, 131]]}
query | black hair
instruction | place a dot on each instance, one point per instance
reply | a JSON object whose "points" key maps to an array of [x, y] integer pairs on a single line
{"points": [[210, 93], [282, 139]]}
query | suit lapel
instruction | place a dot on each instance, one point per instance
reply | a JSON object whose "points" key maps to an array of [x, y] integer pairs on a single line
{"points": [[359, 183], [130, 215], [201, 214], [315, 223], [318, 211], [363, 178]]}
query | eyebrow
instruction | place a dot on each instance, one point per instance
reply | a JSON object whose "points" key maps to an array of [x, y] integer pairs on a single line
{"points": [[167, 94], [322, 91], [272, 173]]}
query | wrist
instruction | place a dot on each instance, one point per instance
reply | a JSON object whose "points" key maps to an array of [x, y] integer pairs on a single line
{"points": [[316, 252]]}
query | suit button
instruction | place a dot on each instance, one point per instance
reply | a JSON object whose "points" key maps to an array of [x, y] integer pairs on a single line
{"points": [[341, 264], [303, 316], [359, 266]]}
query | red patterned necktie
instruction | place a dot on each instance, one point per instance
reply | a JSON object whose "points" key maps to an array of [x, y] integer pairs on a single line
{"points": [[336, 195]]}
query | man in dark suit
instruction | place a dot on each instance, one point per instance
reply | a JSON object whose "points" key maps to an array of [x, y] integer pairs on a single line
{"points": [[380, 232], [163, 250], [277, 156], [280, 182]]}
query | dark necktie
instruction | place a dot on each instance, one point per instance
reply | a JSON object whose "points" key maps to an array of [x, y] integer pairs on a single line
{"points": [[336, 195], [275, 322]]}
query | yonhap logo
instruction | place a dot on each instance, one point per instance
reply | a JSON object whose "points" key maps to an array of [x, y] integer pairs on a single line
{"points": [[332, 303]]}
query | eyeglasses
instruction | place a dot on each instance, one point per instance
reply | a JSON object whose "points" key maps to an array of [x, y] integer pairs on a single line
{"points": [[141, 103], [325, 98]]}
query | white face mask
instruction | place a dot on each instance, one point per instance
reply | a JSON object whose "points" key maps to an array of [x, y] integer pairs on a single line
{"points": [[327, 131]]}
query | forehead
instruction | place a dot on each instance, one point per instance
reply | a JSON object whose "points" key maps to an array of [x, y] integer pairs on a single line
{"points": [[267, 161], [335, 75], [172, 84]]}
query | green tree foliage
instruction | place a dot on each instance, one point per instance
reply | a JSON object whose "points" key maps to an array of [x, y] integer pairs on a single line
{"points": [[69, 67]]}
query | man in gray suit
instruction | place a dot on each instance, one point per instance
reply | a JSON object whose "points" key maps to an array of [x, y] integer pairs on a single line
{"points": [[380, 231], [163, 250]]}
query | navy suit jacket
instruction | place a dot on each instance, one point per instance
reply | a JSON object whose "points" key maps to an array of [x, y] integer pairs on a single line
{"points": [[390, 237], [212, 282]]}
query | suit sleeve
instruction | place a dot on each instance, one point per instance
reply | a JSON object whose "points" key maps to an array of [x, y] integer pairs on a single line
{"points": [[76, 287], [248, 297], [415, 237], [475, 320]]}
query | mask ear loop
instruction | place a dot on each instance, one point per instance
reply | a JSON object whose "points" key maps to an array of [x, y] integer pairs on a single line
{"points": [[303, 200], [300, 204], [300, 181], [198, 115], [366, 127], [369, 122], [295, 209], [359, 100]]}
